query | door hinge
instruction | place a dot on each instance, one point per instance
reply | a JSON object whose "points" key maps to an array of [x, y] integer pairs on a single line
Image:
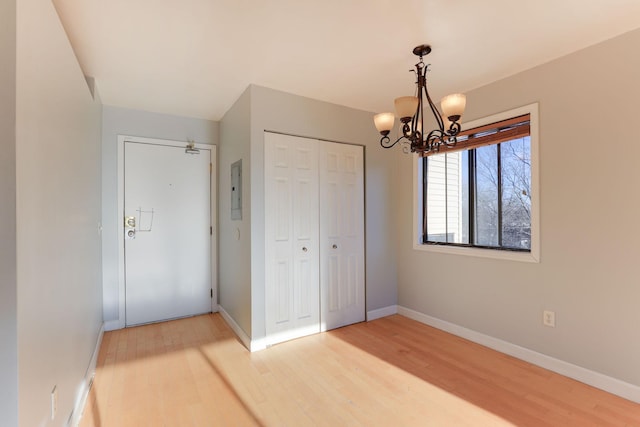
{"points": [[211, 292], [211, 231], [210, 167]]}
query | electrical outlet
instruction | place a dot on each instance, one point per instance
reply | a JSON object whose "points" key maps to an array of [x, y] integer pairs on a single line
{"points": [[549, 318], [54, 402]]}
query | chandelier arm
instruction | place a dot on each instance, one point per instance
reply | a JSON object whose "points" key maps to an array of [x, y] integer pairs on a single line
{"points": [[454, 129], [451, 135], [435, 139], [436, 135], [433, 107], [418, 117], [385, 141], [406, 131]]}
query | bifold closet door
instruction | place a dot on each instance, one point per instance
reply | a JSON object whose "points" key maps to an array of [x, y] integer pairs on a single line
{"points": [[291, 237], [341, 235]]}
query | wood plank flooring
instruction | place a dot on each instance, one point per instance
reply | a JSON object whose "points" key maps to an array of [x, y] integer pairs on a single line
{"points": [[389, 372]]}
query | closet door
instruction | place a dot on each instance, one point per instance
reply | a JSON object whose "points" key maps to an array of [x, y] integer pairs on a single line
{"points": [[291, 237], [342, 235]]}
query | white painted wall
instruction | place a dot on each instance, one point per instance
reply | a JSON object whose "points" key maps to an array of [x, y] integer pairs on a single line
{"points": [[234, 236], [277, 111], [589, 243], [121, 121], [59, 309], [8, 284]]}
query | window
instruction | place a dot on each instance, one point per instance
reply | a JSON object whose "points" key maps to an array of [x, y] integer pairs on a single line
{"points": [[480, 197]]}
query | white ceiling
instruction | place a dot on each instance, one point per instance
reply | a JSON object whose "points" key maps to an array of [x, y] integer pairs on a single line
{"points": [[195, 57]]}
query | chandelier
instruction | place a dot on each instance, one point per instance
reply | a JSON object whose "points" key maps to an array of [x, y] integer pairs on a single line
{"points": [[410, 111]]}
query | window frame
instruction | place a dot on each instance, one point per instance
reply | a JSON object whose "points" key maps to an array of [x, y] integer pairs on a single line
{"points": [[497, 253]]}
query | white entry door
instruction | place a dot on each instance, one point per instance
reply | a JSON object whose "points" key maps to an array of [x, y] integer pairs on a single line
{"points": [[342, 235], [291, 237], [167, 231]]}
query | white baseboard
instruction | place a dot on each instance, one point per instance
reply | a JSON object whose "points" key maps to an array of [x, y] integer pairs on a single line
{"points": [[381, 312], [81, 399], [592, 378], [254, 345], [257, 345], [112, 325]]}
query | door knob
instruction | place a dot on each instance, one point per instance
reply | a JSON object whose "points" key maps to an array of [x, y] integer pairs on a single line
{"points": [[304, 249], [335, 246]]}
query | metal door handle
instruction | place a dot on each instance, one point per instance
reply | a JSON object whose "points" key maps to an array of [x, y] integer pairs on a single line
{"points": [[304, 249], [130, 221], [335, 246]]}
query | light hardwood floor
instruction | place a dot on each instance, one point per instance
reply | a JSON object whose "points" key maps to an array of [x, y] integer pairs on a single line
{"points": [[389, 372]]}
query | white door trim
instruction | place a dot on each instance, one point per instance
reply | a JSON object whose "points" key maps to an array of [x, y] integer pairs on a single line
{"points": [[120, 322]]}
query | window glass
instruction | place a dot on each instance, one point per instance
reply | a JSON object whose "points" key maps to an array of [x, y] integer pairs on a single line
{"points": [[465, 196], [515, 159], [445, 198], [486, 203], [437, 199]]}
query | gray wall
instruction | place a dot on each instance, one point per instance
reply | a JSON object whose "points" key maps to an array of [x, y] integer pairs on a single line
{"points": [[235, 252], [59, 311], [121, 121], [589, 242], [273, 110], [8, 285]]}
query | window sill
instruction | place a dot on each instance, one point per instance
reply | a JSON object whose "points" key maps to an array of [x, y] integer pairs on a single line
{"points": [[479, 252]]}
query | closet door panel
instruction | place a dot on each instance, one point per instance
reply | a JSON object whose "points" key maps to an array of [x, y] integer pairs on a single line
{"points": [[342, 235], [332, 272], [291, 237], [305, 290], [282, 205], [305, 229], [280, 270], [353, 280], [282, 291]]}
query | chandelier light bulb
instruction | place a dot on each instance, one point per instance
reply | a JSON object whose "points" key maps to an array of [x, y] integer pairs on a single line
{"points": [[406, 107], [384, 122], [453, 106]]}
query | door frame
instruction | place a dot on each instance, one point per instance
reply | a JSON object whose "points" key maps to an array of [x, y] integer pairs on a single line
{"points": [[120, 218]]}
